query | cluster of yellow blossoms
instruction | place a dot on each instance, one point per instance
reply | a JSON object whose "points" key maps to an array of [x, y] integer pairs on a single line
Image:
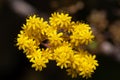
{"points": [[65, 38]]}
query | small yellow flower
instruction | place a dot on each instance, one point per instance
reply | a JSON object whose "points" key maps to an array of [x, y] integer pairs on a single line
{"points": [[24, 42], [35, 54], [47, 53], [75, 61], [62, 55], [81, 34], [54, 38], [34, 23], [88, 65], [39, 63], [60, 20]]}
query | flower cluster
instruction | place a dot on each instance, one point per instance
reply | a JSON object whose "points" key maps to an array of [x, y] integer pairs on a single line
{"points": [[65, 39]]}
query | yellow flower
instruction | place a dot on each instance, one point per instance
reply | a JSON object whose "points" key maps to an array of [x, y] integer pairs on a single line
{"points": [[81, 34], [55, 38], [75, 61], [82, 63], [35, 54], [60, 20], [33, 22], [63, 55], [35, 28], [24, 43], [39, 63], [36, 23], [88, 65], [47, 53], [62, 60]]}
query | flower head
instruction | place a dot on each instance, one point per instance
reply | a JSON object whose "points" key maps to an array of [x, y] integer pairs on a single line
{"points": [[64, 39], [60, 20], [81, 34], [88, 65]]}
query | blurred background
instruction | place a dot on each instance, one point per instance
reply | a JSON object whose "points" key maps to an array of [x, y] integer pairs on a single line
{"points": [[102, 15]]}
